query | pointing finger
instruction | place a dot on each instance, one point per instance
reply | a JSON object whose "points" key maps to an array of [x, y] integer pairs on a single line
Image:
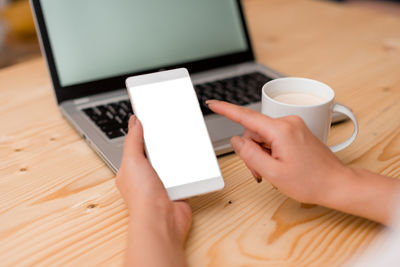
{"points": [[248, 118]]}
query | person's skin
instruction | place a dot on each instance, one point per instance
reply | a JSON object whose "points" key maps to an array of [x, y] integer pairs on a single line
{"points": [[285, 153], [282, 151], [157, 227]]}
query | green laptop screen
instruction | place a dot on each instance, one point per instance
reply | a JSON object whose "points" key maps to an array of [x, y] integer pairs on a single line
{"points": [[97, 39]]}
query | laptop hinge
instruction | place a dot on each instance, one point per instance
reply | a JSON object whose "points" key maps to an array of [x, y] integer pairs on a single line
{"points": [[81, 100]]}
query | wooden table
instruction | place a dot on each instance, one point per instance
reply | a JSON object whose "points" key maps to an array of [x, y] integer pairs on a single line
{"points": [[59, 204]]}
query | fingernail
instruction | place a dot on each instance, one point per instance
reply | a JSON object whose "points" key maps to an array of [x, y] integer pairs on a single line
{"points": [[211, 101], [132, 121]]}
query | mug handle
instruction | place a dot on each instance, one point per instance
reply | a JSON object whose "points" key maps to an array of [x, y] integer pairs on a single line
{"points": [[346, 111]]}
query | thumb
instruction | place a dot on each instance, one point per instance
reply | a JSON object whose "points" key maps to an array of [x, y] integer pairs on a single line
{"points": [[254, 156], [134, 142], [134, 159]]}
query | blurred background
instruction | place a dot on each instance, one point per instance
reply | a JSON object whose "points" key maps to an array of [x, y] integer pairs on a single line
{"points": [[18, 40]]}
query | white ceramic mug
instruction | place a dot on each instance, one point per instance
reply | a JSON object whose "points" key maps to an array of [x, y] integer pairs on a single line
{"points": [[317, 116]]}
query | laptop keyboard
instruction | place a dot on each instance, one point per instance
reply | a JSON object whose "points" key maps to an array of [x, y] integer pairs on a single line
{"points": [[239, 90], [112, 118]]}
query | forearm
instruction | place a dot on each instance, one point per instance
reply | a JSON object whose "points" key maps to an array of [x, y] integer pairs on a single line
{"points": [[362, 193], [151, 243]]}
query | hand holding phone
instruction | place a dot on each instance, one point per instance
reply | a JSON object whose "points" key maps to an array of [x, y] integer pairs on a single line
{"points": [[175, 135]]}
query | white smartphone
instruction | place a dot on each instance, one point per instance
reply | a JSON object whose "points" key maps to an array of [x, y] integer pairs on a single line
{"points": [[175, 134]]}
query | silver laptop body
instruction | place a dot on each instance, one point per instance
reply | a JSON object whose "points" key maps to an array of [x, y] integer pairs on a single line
{"points": [[220, 128], [55, 20]]}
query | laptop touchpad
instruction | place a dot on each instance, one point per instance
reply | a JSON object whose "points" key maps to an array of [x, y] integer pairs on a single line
{"points": [[221, 128]]}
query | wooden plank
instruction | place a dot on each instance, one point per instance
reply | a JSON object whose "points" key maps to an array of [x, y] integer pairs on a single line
{"points": [[59, 205]]}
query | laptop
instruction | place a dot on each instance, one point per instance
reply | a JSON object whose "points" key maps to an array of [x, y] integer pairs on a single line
{"points": [[91, 47]]}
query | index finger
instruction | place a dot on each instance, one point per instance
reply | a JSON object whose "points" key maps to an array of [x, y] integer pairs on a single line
{"points": [[248, 118]]}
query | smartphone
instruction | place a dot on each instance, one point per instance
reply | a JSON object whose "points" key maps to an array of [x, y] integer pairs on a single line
{"points": [[175, 135]]}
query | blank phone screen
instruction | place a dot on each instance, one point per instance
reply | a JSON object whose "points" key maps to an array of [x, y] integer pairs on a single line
{"points": [[176, 137]]}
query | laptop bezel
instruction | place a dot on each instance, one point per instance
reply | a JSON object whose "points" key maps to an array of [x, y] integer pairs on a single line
{"points": [[64, 93]]}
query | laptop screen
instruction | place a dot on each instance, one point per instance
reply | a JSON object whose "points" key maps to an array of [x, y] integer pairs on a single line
{"points": [[98, 39]]}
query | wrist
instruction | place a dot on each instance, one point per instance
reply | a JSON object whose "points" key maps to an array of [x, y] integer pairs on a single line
{"points": [[157, 218], [152, 230], [338, 182], [154, 209], [362, 193], [152, 242]]}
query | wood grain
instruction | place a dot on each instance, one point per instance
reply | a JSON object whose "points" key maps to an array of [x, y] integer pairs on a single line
{"points": [[59, 204]]}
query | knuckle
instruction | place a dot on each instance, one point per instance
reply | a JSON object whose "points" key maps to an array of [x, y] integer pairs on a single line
{"points": [[247, 153], [285, 127], [246, 133], [291, 125], [296, 120]]}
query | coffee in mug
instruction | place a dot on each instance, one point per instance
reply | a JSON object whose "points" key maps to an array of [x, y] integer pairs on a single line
{"points": [[311, 100], [299, 99]]}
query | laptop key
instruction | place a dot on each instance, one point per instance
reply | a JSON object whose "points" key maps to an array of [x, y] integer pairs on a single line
{"points": [[102, 122], [109, 115], [97, 111], [122, 112], [110, 108], [126, 105], [108, 128], [115, 133]]}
